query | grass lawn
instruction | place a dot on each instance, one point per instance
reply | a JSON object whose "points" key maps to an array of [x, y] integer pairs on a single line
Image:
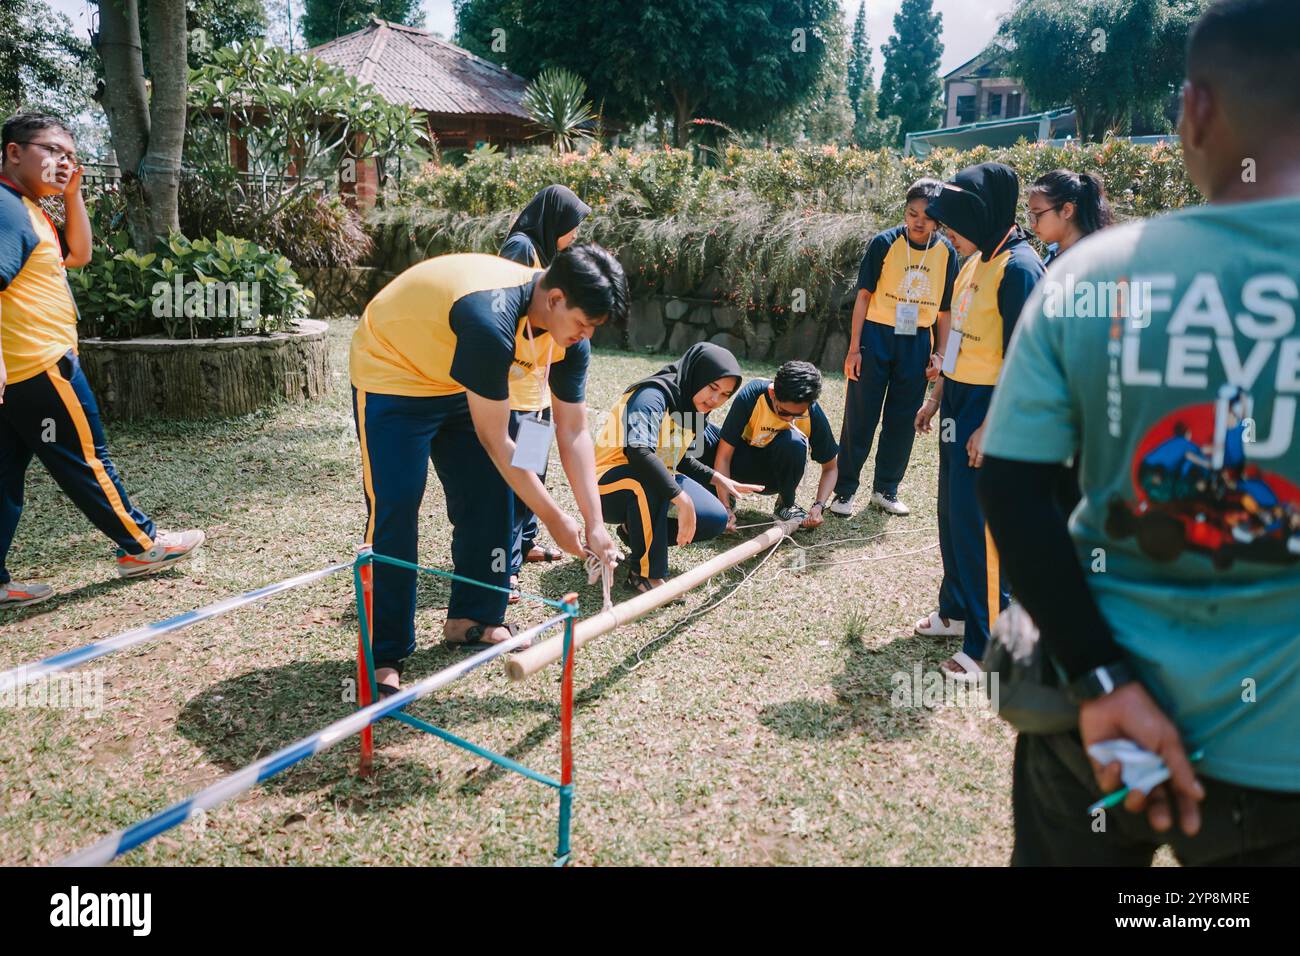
{"points": [[759, 732]]}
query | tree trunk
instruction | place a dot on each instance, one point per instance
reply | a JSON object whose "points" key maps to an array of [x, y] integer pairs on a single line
{"points": [[682, 116], [126, 106], [141, 379], [170, 73], [147, 131]]}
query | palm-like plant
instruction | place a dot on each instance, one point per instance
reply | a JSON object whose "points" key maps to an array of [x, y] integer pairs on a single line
{"points": [[556, 101]]}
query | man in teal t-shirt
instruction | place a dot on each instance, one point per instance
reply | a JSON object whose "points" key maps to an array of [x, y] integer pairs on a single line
{"points": [[1166, 353]]}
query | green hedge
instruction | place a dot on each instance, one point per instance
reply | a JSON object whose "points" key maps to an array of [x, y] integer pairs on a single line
{"points": [[767, 222]]}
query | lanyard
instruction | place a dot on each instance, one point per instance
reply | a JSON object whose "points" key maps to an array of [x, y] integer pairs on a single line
{"points": [[546, 376]]}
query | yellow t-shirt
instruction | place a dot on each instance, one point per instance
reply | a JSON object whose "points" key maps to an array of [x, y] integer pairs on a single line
{"points": [[456, 322], [38, 317], [894, 271], [986, 302], [638, 418]]}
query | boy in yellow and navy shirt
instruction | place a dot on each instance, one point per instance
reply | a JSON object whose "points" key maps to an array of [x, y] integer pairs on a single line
{"points": [[431, 366], [546, 226], [768, 435], [47, 409]]}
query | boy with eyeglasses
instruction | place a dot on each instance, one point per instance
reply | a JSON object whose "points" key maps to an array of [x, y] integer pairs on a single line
{"points": [[47, 409], [766, 439]]}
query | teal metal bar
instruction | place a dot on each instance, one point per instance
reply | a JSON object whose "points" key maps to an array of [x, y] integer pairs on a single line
{"points": [[474, 748], [398, 562]]}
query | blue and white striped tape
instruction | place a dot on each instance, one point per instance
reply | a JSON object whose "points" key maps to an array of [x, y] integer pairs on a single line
{"points": [[27, 673], [236, 783]]}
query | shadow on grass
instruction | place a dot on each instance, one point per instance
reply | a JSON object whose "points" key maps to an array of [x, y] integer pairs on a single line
{"points": [[863, 695]]}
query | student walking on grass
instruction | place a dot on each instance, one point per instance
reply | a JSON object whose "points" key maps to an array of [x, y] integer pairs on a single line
{"points": [[648, 459], [430, 367], [47, 409], [905, 286], [546, 226], [1188, 639], [979, 209]]}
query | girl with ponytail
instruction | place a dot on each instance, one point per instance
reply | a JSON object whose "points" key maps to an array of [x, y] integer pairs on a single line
{"points": [[1065, 206]]}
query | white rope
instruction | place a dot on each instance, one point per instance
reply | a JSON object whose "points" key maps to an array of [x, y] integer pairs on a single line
{"points": [[597, 568], [707, 607]]}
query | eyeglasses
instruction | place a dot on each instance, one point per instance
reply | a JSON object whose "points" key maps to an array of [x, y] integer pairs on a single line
{"points": [[783, 414], [55, 152], [1034, 216]]}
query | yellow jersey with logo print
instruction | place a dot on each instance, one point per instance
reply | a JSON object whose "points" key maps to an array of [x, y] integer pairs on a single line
{"points": [[896, 270], [527, 393], [986, 303], [38, 316], [752, 420], [456, 323], [642, 418]]}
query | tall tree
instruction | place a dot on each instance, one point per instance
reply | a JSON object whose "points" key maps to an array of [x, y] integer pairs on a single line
{"points": [[147, 126], [323, 20], [43, 64], [859, 57], [744, 62], [1114, 61], [909, 86], [825, 115]]}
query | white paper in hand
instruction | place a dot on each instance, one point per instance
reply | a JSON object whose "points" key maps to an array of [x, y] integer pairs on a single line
{"points": [[1140, 769]]}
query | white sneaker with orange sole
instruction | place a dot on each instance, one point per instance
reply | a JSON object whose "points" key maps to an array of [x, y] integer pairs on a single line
{"points": [[14, 594], [169, 548]]}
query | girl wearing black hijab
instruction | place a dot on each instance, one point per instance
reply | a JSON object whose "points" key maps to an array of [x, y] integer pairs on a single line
{"points": [[547, 225], [647, 457], [979, 209]]}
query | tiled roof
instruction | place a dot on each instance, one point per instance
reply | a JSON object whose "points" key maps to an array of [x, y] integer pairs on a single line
{"points": [[413, 66]]}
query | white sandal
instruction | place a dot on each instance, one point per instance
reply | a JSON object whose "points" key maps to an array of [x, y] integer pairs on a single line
{"points": [[970, 669], [933, 626]]}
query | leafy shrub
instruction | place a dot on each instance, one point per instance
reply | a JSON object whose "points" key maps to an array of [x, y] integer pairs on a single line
{"points": [[205, 288], [312, 229], [764, 222]]}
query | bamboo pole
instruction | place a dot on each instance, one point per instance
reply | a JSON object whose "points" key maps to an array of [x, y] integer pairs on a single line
{"points": [[530, 661]]}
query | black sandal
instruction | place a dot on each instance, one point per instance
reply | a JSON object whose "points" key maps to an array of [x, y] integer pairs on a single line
{"points": [[474, 637]]}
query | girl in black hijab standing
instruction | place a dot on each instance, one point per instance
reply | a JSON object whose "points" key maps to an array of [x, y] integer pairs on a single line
{"points": [[547, 225], [647, 458], [1001, 269]]}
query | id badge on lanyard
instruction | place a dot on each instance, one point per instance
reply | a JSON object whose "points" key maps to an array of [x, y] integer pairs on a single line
{"points": [[533, 444], [950, 352], [906, 316], [535, 434]]}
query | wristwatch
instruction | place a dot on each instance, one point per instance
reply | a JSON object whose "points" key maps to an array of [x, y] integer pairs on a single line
{"points": [[818, 504], [1100, 681]]}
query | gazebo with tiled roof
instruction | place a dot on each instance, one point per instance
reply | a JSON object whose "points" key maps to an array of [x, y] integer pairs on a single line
{"points": [[468, 100]]}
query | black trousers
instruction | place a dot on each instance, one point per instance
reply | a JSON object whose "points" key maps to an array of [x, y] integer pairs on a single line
{"points": [[1053, 786]]}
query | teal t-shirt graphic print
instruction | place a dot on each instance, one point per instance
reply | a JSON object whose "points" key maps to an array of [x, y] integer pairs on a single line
{"points": [[1181, 403]]}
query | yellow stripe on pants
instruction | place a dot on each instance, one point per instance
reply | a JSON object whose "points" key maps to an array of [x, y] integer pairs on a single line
{"points": [[366, 481], [647, 531], [82, 425], [993, 577]]}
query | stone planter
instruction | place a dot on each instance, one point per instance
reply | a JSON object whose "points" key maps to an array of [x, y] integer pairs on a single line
{"points": [[144, 378]]}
